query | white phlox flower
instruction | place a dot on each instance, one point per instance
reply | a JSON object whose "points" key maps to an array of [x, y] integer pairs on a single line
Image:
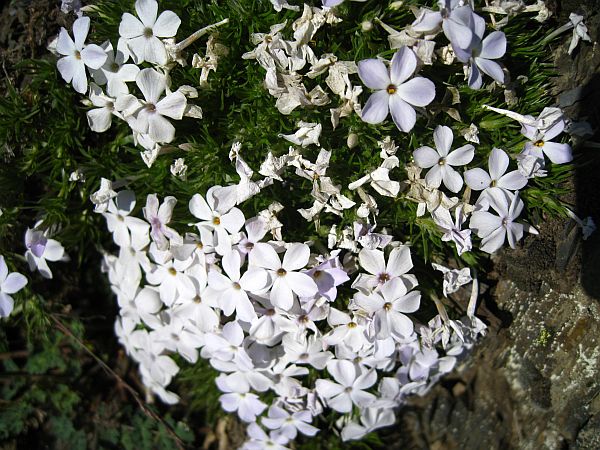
{"points": [[78, 55], [100, 118], [387, 308], [452, 229], [231, 290], [480, 52], [307, 134], [247, 405], [150, 113], [379, 272], [142, 35], [10, 283], [180, 337], [306, 350], [127, 230], [495, 229], [286, 278], [350, 386], [259, 440], [440, 161], [478, 179], [370, 420], [289, 423], [172, 281], [546, 127], [218, 214], [114, 73], [347, 329], [394, 91]]}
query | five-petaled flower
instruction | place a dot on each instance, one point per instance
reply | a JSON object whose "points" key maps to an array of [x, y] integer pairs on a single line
{"points": [[394, 91]]}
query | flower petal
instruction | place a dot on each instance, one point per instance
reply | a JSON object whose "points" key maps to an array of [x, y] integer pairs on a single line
{"points": [[418, 92], [372, 261], [296, 257], [301, 284], [475, 81], [67, 67], [434, 176], [374, 74], [477, 179], [558, 153], [494, 241], [376, 109], [484, 223], [93, 56], [399, 261], [490, 68], [6, 304], [281, 294], [452, 179], [199, 208], [173, 105], [497, 163], [160, 129], [264, 255], [130, 26], [14, 282], [64, 44], [166, 25], [512, 181], [147, 11], [426, 157], [403, 114], [99, 119], [404, 64], [151, 83], [493, 46], [79, 82], [155, 51], [461, 156], [443, 137], [80, 31]]}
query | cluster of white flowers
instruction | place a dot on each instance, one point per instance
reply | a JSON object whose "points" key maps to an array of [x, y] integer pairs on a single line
{"points": [[265, 311], [148, 38]]}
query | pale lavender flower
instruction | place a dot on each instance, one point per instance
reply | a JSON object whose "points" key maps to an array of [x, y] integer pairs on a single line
{"points": [[350, 386], [39, 249], [478, 179], [286, 278], [10, 283], [289, 424], [494, 229], [540, 136], [442, 159], [328, 275], [453, 228], [480, 53], [388, 307], [394, 91], [159, 217]]}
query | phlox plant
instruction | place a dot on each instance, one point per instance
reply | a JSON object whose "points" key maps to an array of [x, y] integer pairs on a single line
{"points": [[287, 194]]}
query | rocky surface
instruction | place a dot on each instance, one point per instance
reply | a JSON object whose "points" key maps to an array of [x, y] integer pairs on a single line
{"points": [[534, 381]]}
